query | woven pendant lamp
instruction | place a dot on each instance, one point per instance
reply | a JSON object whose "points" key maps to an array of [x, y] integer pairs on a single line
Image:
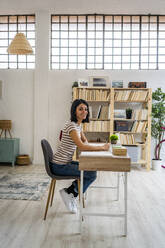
{"points": [[20, 45]]}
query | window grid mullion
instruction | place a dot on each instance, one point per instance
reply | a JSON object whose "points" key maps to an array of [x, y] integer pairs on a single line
{"points": [[8, 41], [68, 42], [103, 42], [77, 46], [140, 35], [51, 62], [60, 42], [121, 42], [17, 32], [26, 36], [112, 40], [86, 57], [148, 40], [130, 59], [94, 42], [157, 57]]}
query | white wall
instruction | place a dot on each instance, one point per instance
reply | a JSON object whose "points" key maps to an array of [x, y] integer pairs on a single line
{"points": [[17, 104], [38, 102]]}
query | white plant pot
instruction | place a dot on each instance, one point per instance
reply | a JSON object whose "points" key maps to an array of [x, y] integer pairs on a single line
{"points": [[156, 164]]}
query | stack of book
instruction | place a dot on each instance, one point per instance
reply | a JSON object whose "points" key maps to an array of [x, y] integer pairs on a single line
{"points": [[119, 150], [131, 95], [126, 139], [139, 126], [96, 126], [91, 94], [101, 112], [140, 114]]}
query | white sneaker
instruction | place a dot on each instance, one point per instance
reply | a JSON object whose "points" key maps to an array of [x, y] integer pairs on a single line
{"points": [[69, 201]]}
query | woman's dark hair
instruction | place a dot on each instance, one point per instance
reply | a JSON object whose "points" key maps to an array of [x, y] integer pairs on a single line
{"points": [[75, 104]]}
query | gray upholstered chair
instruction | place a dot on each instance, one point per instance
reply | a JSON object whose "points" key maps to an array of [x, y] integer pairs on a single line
{"points": [[48, 154]]}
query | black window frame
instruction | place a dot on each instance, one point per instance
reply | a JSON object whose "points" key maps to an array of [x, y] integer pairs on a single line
{"points": [[153, 60], [15, 61]]}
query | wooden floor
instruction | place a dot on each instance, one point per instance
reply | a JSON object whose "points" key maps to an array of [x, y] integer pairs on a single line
{"points": [[22, 224]]}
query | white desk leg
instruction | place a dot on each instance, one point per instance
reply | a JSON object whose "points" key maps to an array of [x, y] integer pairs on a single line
{"points": [[81, 196], [125, 204], [118, 182]]}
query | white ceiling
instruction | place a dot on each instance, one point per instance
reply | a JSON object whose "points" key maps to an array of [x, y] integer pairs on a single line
{"points": [[83, 6]]}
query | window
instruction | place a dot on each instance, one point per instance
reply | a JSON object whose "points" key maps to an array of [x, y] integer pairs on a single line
{"points": [[108, 42], [9, 26]]}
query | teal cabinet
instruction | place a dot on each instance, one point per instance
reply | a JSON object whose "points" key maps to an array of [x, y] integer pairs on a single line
{"points": [[9, 149]]}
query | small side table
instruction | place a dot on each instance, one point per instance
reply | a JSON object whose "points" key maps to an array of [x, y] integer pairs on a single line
{"points": [[9, 150]]}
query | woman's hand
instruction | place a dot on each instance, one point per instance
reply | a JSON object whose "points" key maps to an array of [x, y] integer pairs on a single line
{"points": [[106, 147]]}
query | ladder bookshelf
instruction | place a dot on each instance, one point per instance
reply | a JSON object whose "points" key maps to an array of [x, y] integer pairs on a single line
{"points": [[104, 123]]}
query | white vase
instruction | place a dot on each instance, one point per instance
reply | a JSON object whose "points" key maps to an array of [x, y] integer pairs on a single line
{"points": [[156, 164]]}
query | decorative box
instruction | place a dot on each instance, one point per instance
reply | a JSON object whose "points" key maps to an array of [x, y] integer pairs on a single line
{"points": [[121, 126], [119, 151]]}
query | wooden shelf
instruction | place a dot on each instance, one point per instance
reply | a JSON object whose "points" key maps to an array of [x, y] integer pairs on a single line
{"points": [[131, 101], [97, 101], [114, 95], [131, 89], [143, 162], [94, 88], [123, 119], [96, 131], [129, 132], [136, 144], [95, 119]]}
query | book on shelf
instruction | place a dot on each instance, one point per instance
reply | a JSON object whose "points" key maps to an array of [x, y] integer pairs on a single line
{"points": [[131, 95], [140, 114], [126, 139], [104, 112], [96, 126], [91, 111], [92, 94], [139, 126], [101, 112]]}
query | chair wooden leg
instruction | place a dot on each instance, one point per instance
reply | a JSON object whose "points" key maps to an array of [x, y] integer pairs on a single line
{"points": [[83, 202], [53, 188], [48, 199]]}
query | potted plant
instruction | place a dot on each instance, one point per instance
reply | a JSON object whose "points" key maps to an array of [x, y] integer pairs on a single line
{"points": [[75, 84], [158, 121], [114, 138], [128, 113]]}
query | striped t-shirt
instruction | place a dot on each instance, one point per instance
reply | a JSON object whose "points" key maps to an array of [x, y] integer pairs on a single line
{"points": [[66, 149]]}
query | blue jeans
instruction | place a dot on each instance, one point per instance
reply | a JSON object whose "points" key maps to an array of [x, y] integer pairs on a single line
{"points": [[71, 169]]}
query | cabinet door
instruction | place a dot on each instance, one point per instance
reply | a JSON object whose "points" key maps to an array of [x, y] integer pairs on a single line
{"points": [[6, 151]]}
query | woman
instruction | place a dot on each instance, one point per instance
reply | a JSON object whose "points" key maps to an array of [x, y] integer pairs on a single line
{"points": [[62, 164]]}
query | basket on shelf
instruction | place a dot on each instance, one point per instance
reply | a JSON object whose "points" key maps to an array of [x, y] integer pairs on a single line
{"points": [[23, 159]]}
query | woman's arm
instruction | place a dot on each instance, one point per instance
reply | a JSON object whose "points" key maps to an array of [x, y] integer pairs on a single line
{"points": [[83, 138], [86, 147]]}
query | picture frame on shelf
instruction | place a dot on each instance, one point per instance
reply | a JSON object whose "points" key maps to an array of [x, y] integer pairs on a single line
{"points": [[137, 85], [99, 81], [83, 83], [117, 84]]}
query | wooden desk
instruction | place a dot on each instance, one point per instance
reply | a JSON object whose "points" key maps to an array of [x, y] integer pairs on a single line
{"points": [[104, 161]]}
